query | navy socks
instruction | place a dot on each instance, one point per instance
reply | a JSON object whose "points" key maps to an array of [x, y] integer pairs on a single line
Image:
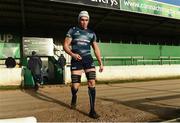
{"points": [[74, 96], [92, 96]]}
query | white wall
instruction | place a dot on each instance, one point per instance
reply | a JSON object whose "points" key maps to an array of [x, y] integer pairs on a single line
{"points": [[10, 76], [114, 73], [14, 76]]}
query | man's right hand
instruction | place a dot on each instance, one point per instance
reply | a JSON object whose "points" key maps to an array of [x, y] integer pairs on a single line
{"points": [[101, 68], [77, 57]]}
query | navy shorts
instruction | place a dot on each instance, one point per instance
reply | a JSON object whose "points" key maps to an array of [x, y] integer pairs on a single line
{"points": [[86, 63]]}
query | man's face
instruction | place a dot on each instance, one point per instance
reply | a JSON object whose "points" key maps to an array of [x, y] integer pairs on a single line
{"points": [[84, 21]]}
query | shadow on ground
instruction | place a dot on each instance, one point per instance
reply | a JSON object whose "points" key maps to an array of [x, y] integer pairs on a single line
{"points": [[151, 105], [47, 98]]}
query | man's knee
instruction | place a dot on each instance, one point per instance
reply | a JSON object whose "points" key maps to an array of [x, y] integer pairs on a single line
{"points": [[76, 78], [91, 76], [91, 83]]}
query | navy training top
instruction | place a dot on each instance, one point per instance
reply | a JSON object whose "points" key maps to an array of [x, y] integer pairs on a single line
{"points": [[82, 40]]}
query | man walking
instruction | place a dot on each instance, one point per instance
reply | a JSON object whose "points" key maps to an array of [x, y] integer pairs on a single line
{"points": [[35, 65], [78, 44]]}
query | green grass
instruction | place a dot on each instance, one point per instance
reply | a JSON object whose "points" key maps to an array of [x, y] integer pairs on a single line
{"points": [[130, 81], [10, 87], [98, 82], [137, 80]]}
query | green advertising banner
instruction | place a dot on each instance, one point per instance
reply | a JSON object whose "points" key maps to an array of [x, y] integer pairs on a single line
{"points": [[9, 38], [151, 7], [109, 4], [9, 50], [9, 45]]}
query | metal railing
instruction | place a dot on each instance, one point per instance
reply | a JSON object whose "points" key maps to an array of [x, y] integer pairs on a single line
{"points": [[138, 60]]}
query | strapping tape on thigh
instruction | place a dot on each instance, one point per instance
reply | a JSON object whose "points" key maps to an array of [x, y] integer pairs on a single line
{"points": [[76, 78], [91, 75]]}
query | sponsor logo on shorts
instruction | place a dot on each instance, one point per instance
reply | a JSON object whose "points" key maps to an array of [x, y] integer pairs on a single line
{"points": [[73, 68], [92, 65]]}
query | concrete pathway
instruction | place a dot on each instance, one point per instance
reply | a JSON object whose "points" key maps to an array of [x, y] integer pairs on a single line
{"points": [[136, 102]]}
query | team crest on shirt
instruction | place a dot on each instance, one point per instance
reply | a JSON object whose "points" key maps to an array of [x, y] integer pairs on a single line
{"points": [[77, 33]]}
